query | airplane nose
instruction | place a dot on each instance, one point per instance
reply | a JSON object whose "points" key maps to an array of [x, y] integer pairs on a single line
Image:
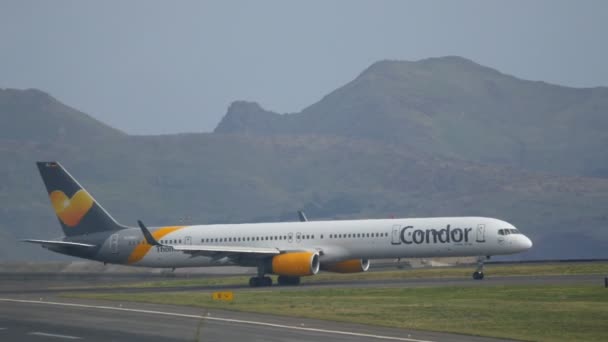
{"points": [[526, 243]]}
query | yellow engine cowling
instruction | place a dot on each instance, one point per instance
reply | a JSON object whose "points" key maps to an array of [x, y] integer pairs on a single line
{"points": [[295, 264], [348, 266]]}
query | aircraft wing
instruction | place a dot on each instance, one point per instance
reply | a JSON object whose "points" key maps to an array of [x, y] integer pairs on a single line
{"points": [[210, 250], [58, 243], [217, 251], [203, 250]]}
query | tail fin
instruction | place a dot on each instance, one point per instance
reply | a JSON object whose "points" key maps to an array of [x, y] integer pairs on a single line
{"points": [[76, 209]]}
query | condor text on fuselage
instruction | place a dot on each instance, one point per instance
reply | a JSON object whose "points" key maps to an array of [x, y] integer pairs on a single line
{"points": [[411, 235]]}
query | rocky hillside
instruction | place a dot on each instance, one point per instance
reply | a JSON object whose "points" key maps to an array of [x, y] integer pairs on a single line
{"points": [[454, 107]]}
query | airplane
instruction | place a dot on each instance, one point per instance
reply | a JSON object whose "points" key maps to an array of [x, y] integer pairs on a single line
{"points": [[288, 249]]}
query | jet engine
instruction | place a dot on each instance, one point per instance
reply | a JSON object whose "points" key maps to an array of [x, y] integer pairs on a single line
{"points": [[295, 264], [347, 266]]}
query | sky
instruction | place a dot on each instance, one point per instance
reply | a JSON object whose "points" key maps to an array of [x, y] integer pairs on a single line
{"points": [[162, 67]]}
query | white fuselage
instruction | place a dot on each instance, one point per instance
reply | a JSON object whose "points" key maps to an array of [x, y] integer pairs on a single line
{"points": [[336, 240]]}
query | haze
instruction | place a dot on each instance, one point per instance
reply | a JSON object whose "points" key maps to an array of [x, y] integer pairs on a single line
{"points": [[164, 67]]}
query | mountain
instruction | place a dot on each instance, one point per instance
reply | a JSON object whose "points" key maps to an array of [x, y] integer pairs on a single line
{"points": [[454, 107], [263, 166], [32, 115]]}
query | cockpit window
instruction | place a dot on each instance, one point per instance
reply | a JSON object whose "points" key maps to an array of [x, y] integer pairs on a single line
{"points": [[508, 231]]}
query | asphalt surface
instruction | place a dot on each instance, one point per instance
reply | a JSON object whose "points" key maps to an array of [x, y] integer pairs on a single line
{"points": [[42, 286], [31, 311], [24, 320]]}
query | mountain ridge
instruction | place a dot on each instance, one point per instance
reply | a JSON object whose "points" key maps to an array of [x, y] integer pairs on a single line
{"points": [[52, 119], [474, 113]]}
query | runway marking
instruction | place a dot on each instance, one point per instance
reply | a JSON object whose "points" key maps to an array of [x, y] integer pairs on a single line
{"points": [[230, 320], [65, 337]]}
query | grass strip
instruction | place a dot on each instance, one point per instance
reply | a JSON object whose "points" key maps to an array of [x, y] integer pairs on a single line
{"points": [[538, 313]]}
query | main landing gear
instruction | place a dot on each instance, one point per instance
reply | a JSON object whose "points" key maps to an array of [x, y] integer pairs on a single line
{"points": [[478, 274], [263, 280], [260, 281]]}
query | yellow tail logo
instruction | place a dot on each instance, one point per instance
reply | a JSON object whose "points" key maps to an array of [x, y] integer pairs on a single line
{"points": [[71, 210]]}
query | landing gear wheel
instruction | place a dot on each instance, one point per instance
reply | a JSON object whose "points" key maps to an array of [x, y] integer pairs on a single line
{"points": [[286, 280], [477, 275], [260, 281], [253, 282]]}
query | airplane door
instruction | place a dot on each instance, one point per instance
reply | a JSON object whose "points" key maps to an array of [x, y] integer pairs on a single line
{"points": [[114, 243], [481, 233], [396, 240], [188, 240]]}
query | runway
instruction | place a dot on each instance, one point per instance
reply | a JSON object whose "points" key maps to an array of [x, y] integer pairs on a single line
{"points": [[31, 311], [24, 320], [42, 286]]}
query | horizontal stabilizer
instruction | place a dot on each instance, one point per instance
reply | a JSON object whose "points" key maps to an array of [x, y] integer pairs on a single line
{"points": [[59, 243]]}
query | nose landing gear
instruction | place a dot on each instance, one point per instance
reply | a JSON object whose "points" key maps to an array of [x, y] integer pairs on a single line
{"points": [[478, 274]]}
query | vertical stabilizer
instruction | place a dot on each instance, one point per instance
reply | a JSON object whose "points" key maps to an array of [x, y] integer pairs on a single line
{"points": [[76, 209]]}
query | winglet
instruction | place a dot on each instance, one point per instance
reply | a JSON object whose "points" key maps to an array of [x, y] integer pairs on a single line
{"points": [[149, 237], [302, 216]]}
